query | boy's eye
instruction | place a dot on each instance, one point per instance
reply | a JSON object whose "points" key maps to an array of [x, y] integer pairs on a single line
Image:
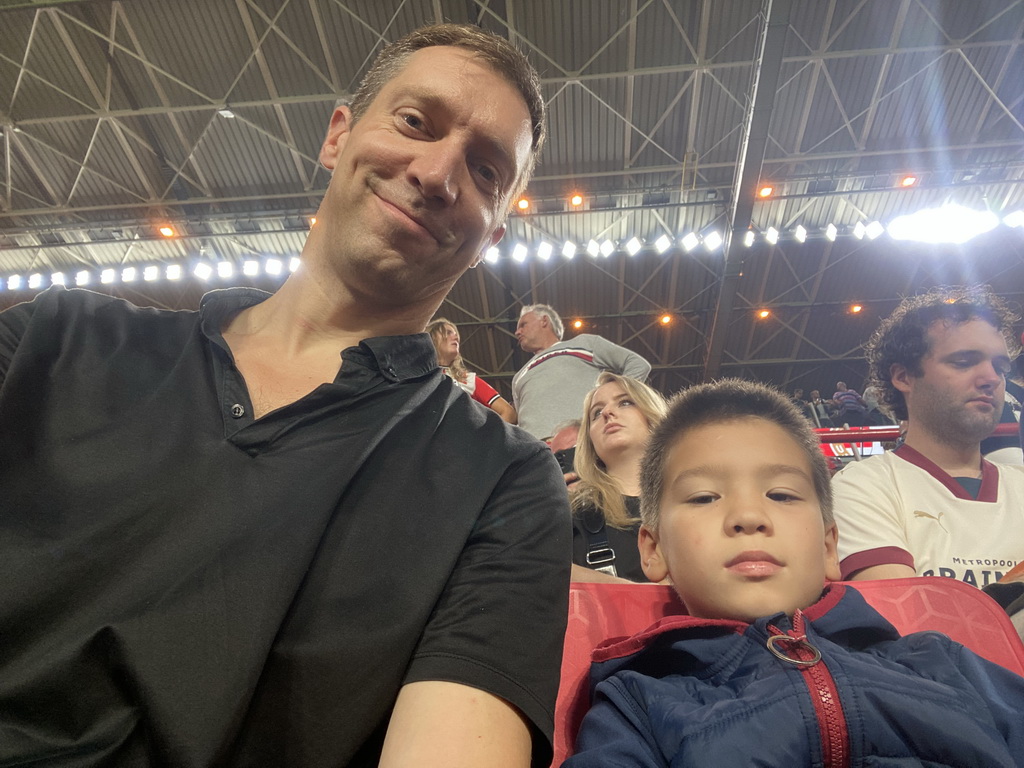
{"points": [[701, 498], [782, 496]]}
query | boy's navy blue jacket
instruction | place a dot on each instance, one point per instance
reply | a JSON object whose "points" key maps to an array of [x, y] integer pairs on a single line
{"points": [[700, 692]]}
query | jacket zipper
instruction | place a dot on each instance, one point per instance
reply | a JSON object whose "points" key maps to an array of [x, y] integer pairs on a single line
{"points": [[822, 688]]}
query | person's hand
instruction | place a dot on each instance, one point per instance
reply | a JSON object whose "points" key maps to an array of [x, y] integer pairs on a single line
{"points": [[571, 480]]}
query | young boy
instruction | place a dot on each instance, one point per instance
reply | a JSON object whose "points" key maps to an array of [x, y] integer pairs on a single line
{"points": [[773, 667]]}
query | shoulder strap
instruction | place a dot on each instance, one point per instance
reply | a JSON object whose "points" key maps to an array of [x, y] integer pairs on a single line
{"points": [[600, 555]]}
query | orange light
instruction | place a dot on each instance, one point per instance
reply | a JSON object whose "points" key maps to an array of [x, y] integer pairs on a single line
{"points": [[167, 231], [577, 324], [665, 319], [856, 308], [576, 200], [765, 191], [764, 313], [523, 204], [908, 181], [312, 220]]}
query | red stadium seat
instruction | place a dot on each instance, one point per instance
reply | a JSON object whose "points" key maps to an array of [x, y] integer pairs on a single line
{"points": [[598, 612]]}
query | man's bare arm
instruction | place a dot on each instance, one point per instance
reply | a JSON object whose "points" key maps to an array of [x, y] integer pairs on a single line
{"points": [[439, 724], [887, 571]]}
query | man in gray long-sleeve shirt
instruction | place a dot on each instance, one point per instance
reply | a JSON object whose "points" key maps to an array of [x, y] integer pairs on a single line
{"points": [[550, 388]]}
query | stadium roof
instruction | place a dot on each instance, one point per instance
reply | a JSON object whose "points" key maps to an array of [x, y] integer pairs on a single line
{"points": [[666, 116]]}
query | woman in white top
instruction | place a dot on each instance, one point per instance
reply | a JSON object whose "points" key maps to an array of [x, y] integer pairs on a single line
{"points": [[445, 336]]}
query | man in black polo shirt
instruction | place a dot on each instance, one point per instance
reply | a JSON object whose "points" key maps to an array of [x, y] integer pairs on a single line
{"points": [[272, 532]]}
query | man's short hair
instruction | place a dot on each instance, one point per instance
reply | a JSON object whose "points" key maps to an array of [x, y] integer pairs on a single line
{"points": [[716, 403], [544, 309], [497, 52], [902, 338]]}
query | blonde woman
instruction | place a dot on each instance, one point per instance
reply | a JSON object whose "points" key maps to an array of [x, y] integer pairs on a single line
{"points": [[446, 340], [619, 414]]}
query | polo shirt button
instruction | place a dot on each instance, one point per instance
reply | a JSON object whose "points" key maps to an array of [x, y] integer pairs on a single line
{"points": [[238, 410]]}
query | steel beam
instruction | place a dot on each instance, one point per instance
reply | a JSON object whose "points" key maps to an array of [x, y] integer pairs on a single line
{"points": [[767, 64]]}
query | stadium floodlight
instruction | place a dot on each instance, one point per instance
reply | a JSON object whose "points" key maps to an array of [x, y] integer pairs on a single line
{"points": [[294, 263], [633, 246], [713, 241], [203, 270], [569, 249], [607, 248], [225, 269], [593, 248], [690, 241], [544, 251], [800, 233], [129, 274], [83, 277], [874, 229], [950, 223], [273, 266], [492, 254], [748, 238], [519, 253], [58, 278], [663, 243], [1015, 219], [14, 283], [35, 281], [107, 276], [151, 273], [772, 235], [173, 272], [859, 229], [831, 232], [250, 268]]}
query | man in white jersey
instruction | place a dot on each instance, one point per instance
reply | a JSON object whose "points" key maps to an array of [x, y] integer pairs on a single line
{"points": [[934, 506], [550, 388]]}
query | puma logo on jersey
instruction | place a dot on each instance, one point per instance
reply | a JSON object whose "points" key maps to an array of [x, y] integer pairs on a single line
{"points": [[930, 516]]}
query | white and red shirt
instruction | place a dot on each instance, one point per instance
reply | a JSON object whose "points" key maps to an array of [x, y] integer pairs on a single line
{"points": [[902, 508], [477, 388]]}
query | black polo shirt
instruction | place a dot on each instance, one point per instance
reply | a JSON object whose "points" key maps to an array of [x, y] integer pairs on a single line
{"points": [[183, 585]]}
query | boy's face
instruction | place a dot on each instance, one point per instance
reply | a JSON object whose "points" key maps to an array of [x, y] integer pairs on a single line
{"points": [[740, 532]]}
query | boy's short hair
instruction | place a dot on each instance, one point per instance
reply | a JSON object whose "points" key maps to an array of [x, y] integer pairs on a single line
{"points": [[715, 403], [903, 336]]}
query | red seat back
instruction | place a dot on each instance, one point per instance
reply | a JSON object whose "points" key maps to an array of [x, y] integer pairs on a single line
{"points": [[598, 612]]}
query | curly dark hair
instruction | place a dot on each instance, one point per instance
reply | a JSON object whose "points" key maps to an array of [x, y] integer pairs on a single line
{"points": [[902, 338]]}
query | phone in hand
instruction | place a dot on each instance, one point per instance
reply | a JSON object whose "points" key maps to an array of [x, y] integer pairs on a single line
{"points": [[565, 458]]}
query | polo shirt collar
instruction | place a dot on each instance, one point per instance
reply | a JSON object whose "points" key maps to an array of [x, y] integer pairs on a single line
{"points": [[397, 358]]}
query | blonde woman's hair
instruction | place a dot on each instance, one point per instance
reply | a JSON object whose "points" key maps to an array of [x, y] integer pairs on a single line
{"points": [[438, 330], [597, 488]]}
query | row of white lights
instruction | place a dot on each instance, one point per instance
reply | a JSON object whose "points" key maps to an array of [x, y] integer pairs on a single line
{"points": [[151, 273], [945, 222], [948, 224]]}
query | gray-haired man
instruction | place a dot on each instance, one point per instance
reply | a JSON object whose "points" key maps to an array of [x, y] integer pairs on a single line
{"points": [[550, 388]]}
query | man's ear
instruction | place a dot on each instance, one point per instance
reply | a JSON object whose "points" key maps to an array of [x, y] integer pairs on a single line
{"points": [[901, 378], [832, 572], [651, 561], [337, 135]]}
